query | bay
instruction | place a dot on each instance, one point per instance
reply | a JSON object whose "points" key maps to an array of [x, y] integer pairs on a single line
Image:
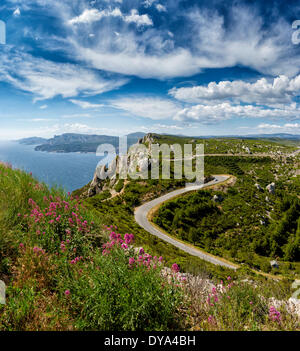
{"points": [[70, 171]]}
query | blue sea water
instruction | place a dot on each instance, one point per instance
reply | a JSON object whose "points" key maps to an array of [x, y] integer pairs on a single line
{"points": [[70, 171]]}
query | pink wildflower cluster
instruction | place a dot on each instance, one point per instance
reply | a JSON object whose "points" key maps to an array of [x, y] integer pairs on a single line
{"points": [[144, 259], [38, 251], [220, 292], [274, 315], [173, 275], [76, 260], [116, 240], [58, 222], [137, 259], [175, 268]]}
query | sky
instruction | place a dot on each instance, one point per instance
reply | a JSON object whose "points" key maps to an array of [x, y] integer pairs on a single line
{"points": [[165, 66]]}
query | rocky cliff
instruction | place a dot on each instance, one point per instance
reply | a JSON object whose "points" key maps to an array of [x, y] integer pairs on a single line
{"points": [[136, 161]]}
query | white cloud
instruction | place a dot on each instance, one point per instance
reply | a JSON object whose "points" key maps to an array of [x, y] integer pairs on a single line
{"points": [[84, 129], [37, 120], [167, 127], [208, 43], [211, 40], [140, 20], [77, 115], [293, 128], [280, 90], [161, 8], [247, 41], [94, 15], [136, 62], [149, 107], [43, 107], [46, 79], [148, 3], [210, 114], [17, 12], [86, 104]]}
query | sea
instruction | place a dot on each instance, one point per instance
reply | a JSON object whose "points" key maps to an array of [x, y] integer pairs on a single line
{"points": [[69, 171]]}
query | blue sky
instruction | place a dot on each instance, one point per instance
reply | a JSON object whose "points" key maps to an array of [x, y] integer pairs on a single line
{"points": [[166, 66]]}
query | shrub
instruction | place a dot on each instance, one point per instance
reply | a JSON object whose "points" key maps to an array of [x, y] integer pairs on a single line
{"points": [[120, 289]]}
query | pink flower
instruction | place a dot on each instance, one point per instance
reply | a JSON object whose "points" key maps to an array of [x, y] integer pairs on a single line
{"points": [[67, 292], [128, 238], [274, 315], [210, 319], [142, 251], [228, 278], [175, 267], [131, 261]]}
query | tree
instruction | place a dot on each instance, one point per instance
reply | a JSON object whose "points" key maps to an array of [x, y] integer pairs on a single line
{"points": [[193, 235]]}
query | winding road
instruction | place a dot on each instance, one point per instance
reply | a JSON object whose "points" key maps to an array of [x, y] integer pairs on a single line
{"points": [[141, 216]]}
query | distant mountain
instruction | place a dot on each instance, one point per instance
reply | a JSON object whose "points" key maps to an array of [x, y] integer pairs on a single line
{"points": [[276, 135], [32, 141], [72, 142], [285, 136]]}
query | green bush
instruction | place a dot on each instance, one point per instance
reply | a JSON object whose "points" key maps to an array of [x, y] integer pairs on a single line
{"points": [[118, 290]]}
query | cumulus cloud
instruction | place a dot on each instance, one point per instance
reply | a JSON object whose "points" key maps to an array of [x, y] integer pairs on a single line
{"points": [[140, 20], [46, 79], [210, 114], [279, 90], [149, 107], [94, 15]]}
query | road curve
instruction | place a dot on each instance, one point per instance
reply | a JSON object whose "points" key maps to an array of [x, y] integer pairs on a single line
{"points": [[141, 217]]}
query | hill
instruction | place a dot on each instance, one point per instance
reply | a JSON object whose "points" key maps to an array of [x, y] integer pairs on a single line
{"points": [[72, 142], [246, 227], [32, 141]]}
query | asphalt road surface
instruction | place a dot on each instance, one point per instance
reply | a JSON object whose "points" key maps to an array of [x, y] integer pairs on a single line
{"points": [[141, 217]]}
